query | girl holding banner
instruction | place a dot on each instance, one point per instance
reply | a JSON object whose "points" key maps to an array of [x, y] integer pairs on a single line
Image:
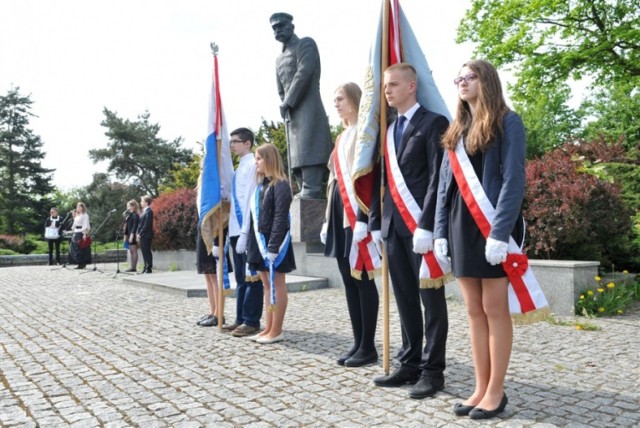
{"points": [[269, 249], [479, 223], [357, 262]]}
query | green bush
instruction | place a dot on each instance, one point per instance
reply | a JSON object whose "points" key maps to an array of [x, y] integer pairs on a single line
{"points": [[17, 244]]}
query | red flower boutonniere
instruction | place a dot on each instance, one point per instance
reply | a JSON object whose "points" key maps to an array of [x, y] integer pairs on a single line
{"points": [[516, 264]]}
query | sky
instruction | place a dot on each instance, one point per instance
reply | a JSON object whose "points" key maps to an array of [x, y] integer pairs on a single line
{"points": [[75, 58]]}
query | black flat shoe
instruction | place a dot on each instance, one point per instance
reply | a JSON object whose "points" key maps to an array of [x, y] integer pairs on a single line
{"points": [[344, 357], [478, 413], [360, 359], [460, 409]]}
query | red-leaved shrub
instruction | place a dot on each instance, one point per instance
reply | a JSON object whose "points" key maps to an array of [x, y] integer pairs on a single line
{"points": [[175, 220], [572, 214]]}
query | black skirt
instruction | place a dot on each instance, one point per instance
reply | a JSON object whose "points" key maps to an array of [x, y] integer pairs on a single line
{"points": [[338, 237], [256, 261], [206, 263], [81, 256], [466, 242]]}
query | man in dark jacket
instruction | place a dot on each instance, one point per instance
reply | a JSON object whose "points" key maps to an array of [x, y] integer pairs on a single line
{"points": [[307, 126], [145, 233]]}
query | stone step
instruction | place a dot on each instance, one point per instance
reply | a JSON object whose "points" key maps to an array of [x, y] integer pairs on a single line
{"points": [[191, 284]]}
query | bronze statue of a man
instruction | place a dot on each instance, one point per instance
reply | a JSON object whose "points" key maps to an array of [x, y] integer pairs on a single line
{"points": [[298, 78]]}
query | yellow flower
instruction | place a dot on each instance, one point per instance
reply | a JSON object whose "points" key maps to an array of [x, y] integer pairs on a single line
{"points": [[619, 311], [626, 272], [611, 285], [578, 327], [601, 309], [597, 278], [600, 290], [582, 297], [590, 293]]}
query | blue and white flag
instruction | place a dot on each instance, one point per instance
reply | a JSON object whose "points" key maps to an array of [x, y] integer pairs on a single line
{"points": [[214, 183]]}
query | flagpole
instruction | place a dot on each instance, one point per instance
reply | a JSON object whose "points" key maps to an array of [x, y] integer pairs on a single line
{"points": [[221, 243], [384, 62]]}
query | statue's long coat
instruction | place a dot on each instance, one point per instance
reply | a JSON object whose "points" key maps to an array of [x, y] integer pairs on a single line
{"points": [[298, 77]]}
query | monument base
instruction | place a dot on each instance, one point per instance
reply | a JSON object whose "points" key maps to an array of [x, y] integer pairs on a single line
{"points": [[307, 216]]}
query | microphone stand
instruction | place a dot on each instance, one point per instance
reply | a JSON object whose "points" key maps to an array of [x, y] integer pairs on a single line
{"points": [[95, 244], [118, 249]]}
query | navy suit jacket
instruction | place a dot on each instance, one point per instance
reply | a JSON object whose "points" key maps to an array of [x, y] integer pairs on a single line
{"points": [[503, 179], [419, 157], [145, 225]]}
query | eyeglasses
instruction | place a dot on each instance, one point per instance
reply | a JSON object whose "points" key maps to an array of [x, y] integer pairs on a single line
{"points": [[236, 141], [468, 78]]}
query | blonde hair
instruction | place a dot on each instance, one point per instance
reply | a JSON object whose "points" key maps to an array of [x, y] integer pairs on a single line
{"points": [[408, 70], [273, 165], [481, 128], [135, 205], [84, 207], [352, 93]]}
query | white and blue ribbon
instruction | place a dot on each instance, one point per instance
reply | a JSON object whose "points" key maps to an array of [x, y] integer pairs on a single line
{"points": [[263, 245]]}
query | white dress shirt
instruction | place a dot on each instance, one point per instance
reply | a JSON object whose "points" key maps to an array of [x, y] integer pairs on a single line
{"points": [[245, 186]]}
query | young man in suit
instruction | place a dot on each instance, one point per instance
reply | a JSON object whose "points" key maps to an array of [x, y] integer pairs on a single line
{"points": [[417, 141], [145, 233]]}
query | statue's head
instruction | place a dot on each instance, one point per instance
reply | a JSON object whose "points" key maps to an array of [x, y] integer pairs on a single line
{"points": [[282, 24]]}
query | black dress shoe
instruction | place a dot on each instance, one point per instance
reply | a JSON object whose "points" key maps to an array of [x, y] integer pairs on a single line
{"points": [[402, 376], [202, 318], [360, 359], [212, 321], [462, 409], [425, 387], [478, 413]]}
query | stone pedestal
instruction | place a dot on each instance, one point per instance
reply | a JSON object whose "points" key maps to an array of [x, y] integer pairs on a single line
{"points": [[307, 216]]}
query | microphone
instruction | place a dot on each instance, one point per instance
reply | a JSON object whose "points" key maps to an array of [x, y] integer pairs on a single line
{"points": [[112, 211], [125, 212]]}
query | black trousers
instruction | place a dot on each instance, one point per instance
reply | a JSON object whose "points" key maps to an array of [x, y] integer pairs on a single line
{"points": [[147, 255], [404, 268], [56, 243]]}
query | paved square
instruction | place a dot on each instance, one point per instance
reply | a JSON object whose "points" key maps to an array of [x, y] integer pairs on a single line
{"points": [[88, 350]]}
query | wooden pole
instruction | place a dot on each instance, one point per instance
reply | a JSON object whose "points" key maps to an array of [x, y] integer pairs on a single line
{"points": [[384, 62], [221, 259]]}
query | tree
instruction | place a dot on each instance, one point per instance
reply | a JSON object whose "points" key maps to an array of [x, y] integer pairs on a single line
{"points": [[136, 154], [554, 42], [25, 182]]}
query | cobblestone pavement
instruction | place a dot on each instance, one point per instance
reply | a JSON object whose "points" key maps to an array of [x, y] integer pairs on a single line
{"points": [[87, 350]]}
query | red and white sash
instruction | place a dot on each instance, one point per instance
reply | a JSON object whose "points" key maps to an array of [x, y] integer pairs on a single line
{"points": [[364, 255], [433, 273], [525, 294]]}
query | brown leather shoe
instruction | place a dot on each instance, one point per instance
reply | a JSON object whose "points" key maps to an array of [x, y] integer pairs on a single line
{"points": [[230, 327], [245, 330]]}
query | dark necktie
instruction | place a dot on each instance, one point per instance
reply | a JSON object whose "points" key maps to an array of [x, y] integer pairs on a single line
{"points": [[398, 134]]}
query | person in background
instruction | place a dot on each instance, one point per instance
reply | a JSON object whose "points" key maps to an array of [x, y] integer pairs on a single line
{"points": [[269, 244], [494, 144], [130, 233], [359, 286], [53, 229], [144, 233], [80, 253], [249, 290]]}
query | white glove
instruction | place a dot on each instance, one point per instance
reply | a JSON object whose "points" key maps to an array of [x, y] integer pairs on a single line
{"points": [[376, 237], [241, 244], [359, 231], [422, 241], [441, 250], [224, 194], [495, 251], [272, 257], [215, 251], [323, 233]]}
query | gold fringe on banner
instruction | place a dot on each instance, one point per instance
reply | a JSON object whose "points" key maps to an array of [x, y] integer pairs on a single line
{"points": [[531, 317], [437, 282]]}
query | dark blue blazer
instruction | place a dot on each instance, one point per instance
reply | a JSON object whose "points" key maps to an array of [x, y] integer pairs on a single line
{"points": [[503, 179]]}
